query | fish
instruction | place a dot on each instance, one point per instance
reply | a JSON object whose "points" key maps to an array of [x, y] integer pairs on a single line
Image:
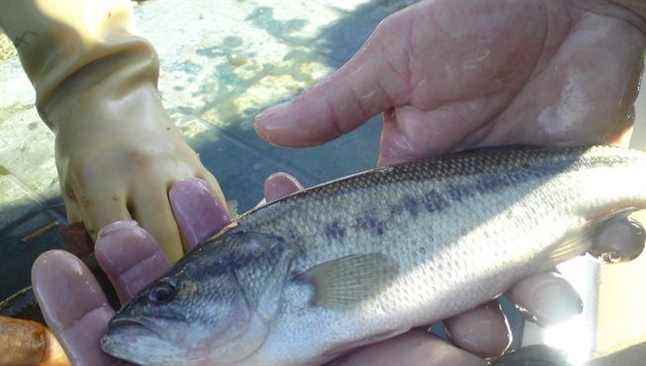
{"points": [[361, 259]]}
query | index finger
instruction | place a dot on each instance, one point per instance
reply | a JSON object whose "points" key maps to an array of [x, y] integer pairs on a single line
{"points": [[376, 79], [73, 306]]}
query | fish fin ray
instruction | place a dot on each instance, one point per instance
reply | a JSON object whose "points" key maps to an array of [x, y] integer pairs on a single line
{"points": [[346, 281], [575, 243], [581, 240]]}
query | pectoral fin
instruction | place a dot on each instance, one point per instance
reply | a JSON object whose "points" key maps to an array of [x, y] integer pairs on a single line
{"points": [[350, 280]]}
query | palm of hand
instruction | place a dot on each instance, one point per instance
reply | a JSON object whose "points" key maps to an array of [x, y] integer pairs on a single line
{"points": [[540, 72], [456, 74]]}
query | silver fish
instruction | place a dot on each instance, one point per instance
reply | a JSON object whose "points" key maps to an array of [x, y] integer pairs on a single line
{"points": [[368, 257]]}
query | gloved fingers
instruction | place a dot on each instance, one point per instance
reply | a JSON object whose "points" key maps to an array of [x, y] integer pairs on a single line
{"points": [[151, 209], [483, 331], [100, 207]]}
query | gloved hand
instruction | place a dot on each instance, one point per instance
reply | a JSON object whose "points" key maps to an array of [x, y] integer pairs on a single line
{"points": [[117, 150]]}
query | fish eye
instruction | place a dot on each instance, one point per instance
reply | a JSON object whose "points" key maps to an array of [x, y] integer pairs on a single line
{"points": [[161, 294]]}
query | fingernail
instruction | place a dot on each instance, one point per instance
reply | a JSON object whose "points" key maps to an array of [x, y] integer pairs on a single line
{"points": [[197, 213], [279, 185], [115, 227], [274, 125], [272, 118]]}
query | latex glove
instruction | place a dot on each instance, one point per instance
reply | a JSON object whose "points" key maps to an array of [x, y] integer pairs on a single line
{"points": [[117, 151]]}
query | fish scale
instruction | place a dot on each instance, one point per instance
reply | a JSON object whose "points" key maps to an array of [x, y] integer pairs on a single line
{"points": [[370, 256]]}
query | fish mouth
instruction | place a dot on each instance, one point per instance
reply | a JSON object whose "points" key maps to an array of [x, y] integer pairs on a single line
{"points": [[123, 333], [130, 340], [139, 325], [125, 322]]}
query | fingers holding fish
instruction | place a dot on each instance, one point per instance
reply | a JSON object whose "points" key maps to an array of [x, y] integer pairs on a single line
{"points": [[546, 298], [130, 257], [483, 331], [197, 214], [78, 318], [415, 348]]}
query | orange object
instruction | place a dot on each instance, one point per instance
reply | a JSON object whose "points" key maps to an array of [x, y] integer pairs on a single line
{"points": [[27, 343]]}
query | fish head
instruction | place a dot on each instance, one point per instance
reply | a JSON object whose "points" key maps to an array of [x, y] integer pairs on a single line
{"points": [[214, 307]]}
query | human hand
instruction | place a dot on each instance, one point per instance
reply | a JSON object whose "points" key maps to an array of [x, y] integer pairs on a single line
{"points": [[73, 304], [451, 75], [117, 150], [121, 164]]}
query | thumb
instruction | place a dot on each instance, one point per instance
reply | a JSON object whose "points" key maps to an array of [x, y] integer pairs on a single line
{"points": [[374, 80]]}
